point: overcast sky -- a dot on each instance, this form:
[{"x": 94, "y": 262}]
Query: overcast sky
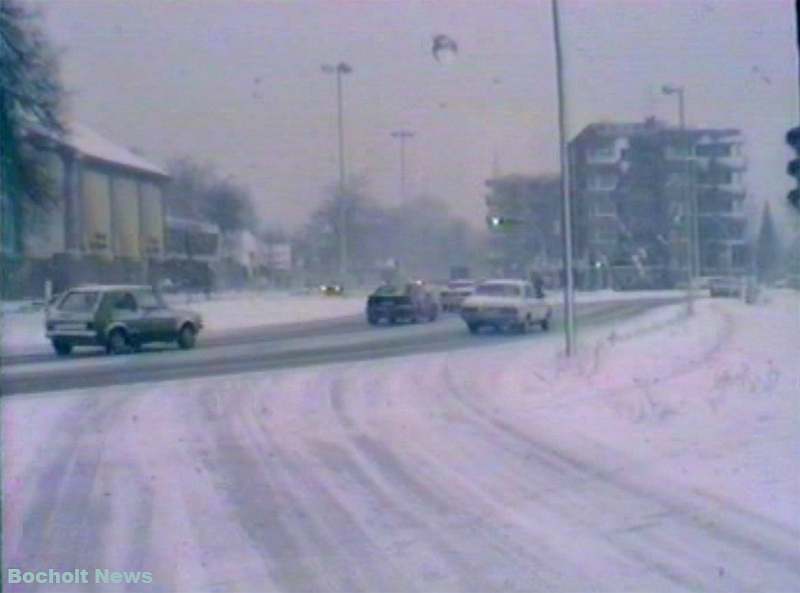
[{"x": 238, "y": 83}]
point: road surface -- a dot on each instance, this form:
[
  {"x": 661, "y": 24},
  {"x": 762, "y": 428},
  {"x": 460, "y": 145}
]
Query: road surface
[
  {"x": 293, "y": 345},
  {"x": 336, "y": 481}
]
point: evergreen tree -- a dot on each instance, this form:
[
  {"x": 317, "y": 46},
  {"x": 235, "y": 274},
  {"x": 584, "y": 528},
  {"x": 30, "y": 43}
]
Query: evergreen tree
[
  {"x": 768, "y": 248},
  {"x": 30, "y": 94}
]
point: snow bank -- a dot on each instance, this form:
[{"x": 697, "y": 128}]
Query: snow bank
[{"x": 711, "y": 402}]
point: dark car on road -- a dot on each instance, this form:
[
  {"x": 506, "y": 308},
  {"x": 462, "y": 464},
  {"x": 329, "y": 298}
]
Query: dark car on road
[
  {"x": 412, "y": 302},
  {"x": 118, "y": 318}
]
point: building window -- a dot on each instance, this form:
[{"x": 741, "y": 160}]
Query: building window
[
  {"x": 713, "y": 150},
  {"x": 604, "y": 206},
  {"x": 718, "y": 177},
  {"x": 602, "y": 153},
  {"x": 678, "y": 151},
  {"x": 602, "y": 182}
]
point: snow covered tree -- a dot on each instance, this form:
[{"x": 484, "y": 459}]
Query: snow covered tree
[{"x": 768, "y": 248}]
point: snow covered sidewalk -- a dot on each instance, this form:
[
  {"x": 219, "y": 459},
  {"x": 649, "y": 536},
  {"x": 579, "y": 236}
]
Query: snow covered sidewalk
[{"x": 711, "y": 403}]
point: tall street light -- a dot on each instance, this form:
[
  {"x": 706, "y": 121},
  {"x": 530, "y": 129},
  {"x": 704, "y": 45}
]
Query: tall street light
[
  {"x": 691, "y": 208},
  {"x": 339, "y": 70},
  {"x": 444, "y": 47},
  {"x": 566, "y": 205},
  {"x": 402, "y": 135}
]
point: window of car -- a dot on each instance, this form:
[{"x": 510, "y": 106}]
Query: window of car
[
  {"x": 124, "y": 301},
  {"x": 388, "y": 290},
  {"x": 505, "y": 290},
  {"x": 79, "y": 302},
  {"x": 148, "y": 299}
]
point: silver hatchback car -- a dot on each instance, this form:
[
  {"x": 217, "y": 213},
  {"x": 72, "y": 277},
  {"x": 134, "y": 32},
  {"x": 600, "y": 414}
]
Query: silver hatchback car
[{"x": 118, "y": 318}]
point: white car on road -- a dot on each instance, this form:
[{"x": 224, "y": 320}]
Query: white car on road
[{"x": 506, "y": 305}]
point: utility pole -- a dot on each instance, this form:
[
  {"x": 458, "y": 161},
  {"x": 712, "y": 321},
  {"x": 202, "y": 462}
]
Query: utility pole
[
  {"x": 402, "y": 135},
  {"x": 566, "y": 202},
  {"x": 692, "y": 231},
  {"x": 339, "y": 70}
]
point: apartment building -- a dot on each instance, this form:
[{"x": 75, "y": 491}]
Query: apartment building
[{"x": 642, "y": 191}]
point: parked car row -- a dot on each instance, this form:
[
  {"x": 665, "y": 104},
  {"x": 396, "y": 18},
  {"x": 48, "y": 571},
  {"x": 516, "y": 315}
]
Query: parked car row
[{"x": 505, "y": 305}]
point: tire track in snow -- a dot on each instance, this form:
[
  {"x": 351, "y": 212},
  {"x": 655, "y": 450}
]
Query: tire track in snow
[
  {"x": 258, "y": 505},
  {"x": 481, "y": 553},
  {"x": 61, "y": 528}
]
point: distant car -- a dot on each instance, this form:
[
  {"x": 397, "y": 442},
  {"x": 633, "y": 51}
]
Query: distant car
[
  {"x": 455, "y": 293},
  {"x": 506, "y": 305},
  {"x": 726, "y": 286},
  {"x": 118, "y": 318},
  {"x": 412, "y": 302},
  {"x": 331, "y": 289}
]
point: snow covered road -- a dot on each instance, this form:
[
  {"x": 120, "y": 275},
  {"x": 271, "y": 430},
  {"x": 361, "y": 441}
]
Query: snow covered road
[{"x": 499, "y": 469}]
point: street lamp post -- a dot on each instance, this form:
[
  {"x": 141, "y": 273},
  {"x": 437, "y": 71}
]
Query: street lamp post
[
  {"x": 339, "y": 70},
  {"x": 402, "y": 135},
  {"x": 692, "y": 247},
  {"x": 566, "y": 206},
  {"x": 444, "y": 46}
]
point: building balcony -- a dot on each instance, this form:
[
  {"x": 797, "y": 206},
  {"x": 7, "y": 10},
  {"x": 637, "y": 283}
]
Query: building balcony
[{"x": 733, "y": 162}]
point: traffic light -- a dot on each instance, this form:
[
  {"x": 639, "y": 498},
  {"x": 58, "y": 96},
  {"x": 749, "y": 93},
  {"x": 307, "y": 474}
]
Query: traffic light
[
  {"x": 793, "y": 169},
  {"x": 501, "y": 223}
]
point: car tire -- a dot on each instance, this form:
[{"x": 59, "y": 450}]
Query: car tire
[
  {"x": 187, "y": 337},
  {"x": 474, "y": 328},
  {"x": 62, "y": 347},
  {"x": 117, "y": 342},
  {"x": 433, "y": 314},
  {"x": 545, "y": 324}
]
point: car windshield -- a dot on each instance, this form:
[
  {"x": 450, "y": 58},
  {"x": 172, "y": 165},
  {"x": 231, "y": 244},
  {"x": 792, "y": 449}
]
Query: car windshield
[
  {"x": 390, "y": 290},
  {"x": 79, "y": 302},
  {"x": 505, "y": 290}
]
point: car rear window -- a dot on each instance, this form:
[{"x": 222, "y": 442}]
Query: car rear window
[
  {"x": 509, "y": 290},
  {"x": 390, "y": 291},
  {"x": 79, "y": 302}
]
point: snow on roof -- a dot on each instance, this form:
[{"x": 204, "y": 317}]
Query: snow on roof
[
  {"x": 89, "y": 143},
  {"x": 108, "y": 287},
  {"x": 512, "y": 281}
]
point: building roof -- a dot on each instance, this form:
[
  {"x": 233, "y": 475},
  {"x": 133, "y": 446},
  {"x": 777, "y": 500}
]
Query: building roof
[
  {"x": 89, "y": 144},
  {"x": 652, "y": 126},
  {"x": 108, "y": 287}
]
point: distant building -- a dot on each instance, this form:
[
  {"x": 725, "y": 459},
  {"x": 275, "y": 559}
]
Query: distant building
[
  {"x": 106, "y": 219},
  {"x": 529, "y": 237},
  {"x": 192, "y": 251},
  {"x": 630, "y": 207}
]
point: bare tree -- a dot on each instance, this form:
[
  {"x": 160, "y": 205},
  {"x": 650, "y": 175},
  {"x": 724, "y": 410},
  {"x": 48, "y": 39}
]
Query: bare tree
[{"x": 197, "y": 191}]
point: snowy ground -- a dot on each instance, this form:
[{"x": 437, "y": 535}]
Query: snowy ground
[
  {"x": 22, "y": 329},
  {"x": 666, "y": 457}
]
